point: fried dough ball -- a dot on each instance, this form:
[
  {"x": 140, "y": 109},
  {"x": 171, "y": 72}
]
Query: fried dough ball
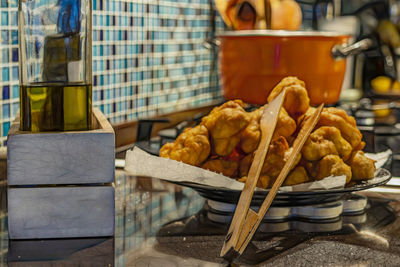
[
  {"x": 245, "y": 164},
  {"x": 242, "y": 179},
  {"x": 297, "y": 176},
  {"x": 362, "y": 167},
  {"x": 263, "y": 181},
  {"x": 301, "y": 120},
  {"x": 285, "y": 126},
  {"x": 339, "y": 119},
  {"x": 251, "y": 135},
  {"x": 346, "y": 124},
  {"x": 231, "y": 135},
  {"x": 224, "y": 124},
  {"x": 226, "y": 120},
  {"x": 326, "y": 140},
  {"x": 191, "y": 147},
  {"x": 274, "y": 160},
  {"x": 225, "y": 167},
  {"x": 329, "y": 165},
  {"x": 224, "y": 146},
  {"x": 343, "y": 114},
  {"x": 296, "y": 100},
  {"x": 287, "y": 155}
]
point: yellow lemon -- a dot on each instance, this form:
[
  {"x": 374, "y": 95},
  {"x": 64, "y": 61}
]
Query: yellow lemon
[
  {"x": 396, "y": 86},
  {"x": 381, "y": 84}
]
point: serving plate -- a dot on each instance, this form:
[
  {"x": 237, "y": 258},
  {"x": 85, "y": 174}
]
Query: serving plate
[{"x": 287, "y": 198}]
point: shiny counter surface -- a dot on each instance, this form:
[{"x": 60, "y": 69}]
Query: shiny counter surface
[{"x": 162, "y": 224}]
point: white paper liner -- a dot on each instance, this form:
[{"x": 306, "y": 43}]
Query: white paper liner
[{"x": 140, "y": 163}]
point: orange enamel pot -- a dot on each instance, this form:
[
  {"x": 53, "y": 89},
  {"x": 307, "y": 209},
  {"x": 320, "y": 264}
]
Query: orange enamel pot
[{"x": 251, "y": 63}]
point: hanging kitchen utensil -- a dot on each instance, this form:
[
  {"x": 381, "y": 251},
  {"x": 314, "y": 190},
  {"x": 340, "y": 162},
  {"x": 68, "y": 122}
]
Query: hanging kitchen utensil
[
  {"x": 242, "y": 14},
  {"x": 222, "y": 6}
]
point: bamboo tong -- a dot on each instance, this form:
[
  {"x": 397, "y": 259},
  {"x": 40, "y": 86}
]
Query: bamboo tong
[{"x": 246, "y": 221}]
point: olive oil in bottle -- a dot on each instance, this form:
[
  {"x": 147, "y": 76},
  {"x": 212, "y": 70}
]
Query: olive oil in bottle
[
  {"x": 55, "y": 65},
  {"x": 56, "y": 107}
]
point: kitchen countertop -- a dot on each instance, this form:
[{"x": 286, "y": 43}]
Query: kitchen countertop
[{"x": 162, "y": 224}]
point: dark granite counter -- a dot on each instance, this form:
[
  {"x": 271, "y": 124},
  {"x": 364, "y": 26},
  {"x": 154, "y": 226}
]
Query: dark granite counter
[{"x": 162, "y": 224}]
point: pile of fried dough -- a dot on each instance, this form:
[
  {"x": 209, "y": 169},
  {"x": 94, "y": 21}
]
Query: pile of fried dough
[{"x": 226, "y": 139}]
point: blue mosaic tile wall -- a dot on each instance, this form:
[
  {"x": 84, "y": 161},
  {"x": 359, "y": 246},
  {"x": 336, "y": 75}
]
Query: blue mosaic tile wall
[{"x": 148, "y": 58}]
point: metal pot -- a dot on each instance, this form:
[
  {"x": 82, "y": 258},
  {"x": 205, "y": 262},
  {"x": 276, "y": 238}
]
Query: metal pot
[{"x": 252, "y": 62}]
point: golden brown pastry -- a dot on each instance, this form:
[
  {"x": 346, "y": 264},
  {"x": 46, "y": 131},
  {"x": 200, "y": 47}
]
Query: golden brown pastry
[
  {"x": 326, "y": 140},
  {"x": 244, "y": 165},
  {"x": 296, "y": 100},
  {"x": 327, "y": 166},
  {"x": 363, "y": 168},
  {"x": 224, "y": 146},
  {"x": 264, "y": 181},
  {"x": 226, "y": 139},
  {"x": 346, "y": 124},
  {"x": 251, "y": 135},
  {"x": 226, "y": 167},
  {"x": 301, "y": 120},
  {"x": 224, "y": 124},
  {"x": 297, "y": 176},
  {"x": 285, "y": 126},
  {"x": 226, "y": 120},
  {"x": 338, "y": 118},
  {"x": 274, "y": 160},
  {"x": 191, "y": 147},
  {"x": 287, "y": 155},
  {"x": 343, "y": 114}
]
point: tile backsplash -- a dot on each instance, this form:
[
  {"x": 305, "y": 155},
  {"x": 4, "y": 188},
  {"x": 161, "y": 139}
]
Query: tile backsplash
[{"x": 148, "y": 58}]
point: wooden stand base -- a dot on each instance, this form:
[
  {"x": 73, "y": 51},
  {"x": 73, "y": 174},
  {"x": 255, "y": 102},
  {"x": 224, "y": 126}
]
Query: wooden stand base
[
  {"x": 60, "y": 184},
  {"x": 61, "y": 158},
  {"x": 60, "y": 212}
]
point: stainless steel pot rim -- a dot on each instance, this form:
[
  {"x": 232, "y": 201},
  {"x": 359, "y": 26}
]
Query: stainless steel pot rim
[{"x": 281, "y": 33}]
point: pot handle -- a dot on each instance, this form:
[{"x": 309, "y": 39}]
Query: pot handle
[
  {"x": 210, "y": 43},
  {"x": 342, "y": 51}
]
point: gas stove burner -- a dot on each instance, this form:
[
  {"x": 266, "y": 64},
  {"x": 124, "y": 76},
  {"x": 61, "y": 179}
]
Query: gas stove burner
[
  {"x": 387, "y": 130},
  {"x": 379, "y": 133},
  {"x": 368, "y": 105},
  {"x": 310, "y": 218},
  {"x": 355, "y": 219},
  {"x": 151, "y": 145},
  {"x": 368, "y": 113},
  {"x": 354, "y": 204}
]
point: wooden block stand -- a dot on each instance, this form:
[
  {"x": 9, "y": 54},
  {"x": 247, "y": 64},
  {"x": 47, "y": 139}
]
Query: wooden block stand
[{"x": 60, "y": 184}]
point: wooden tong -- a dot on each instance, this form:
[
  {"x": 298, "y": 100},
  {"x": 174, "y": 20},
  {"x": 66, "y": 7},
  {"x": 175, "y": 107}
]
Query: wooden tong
[{"x": 246, "y": 221}]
